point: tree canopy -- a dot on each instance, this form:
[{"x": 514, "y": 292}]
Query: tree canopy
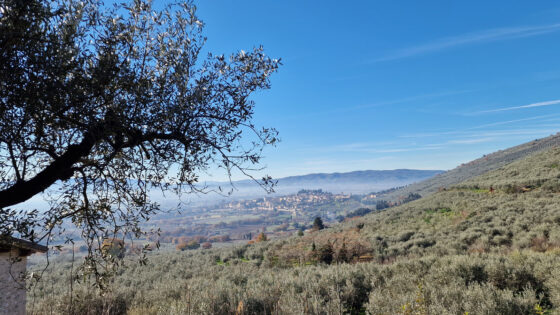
[
  {"x": 318, "y": 224},
  {"x": 101, "y": 104}
]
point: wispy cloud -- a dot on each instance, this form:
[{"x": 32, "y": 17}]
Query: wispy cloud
[
  {"x": 471, "y": 141},
  {"x": 539, "y": 104},
  {"x": 408, "y": 99},
  {"x": 403, "y": 146},
  {"x": 552, "y": 128},
  {"x": 507, "y": 122},
  {"x": 421, "y": 148},
  {"x": 479, "y": 129},
  {"x": 490, "y": 35}
]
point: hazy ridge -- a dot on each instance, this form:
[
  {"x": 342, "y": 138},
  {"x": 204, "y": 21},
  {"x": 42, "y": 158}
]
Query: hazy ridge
[{"x": 350, "y": 182}]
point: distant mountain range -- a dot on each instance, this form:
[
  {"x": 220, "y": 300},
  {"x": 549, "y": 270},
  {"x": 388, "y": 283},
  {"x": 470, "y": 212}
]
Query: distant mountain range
[
  {"x": 361, "y": 177},
  {"x": 357, "y": 182}
]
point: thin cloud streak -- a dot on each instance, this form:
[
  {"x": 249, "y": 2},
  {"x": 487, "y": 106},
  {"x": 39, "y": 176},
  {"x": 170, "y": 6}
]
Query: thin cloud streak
[
  {"x": 539, "y": 104},
  {"x": 410, "y": 99},
  {"x": 423, "y": 148},
  {"x": 466, "y": 131},
  {"x": 471, "y": 141},
  {"x": 468, "y": 134},
  {"x": 462, "y": 137},
  {"x": 507, "y": 122},
  {"x": 376, "y": 149},
  {"x": 403, "y": 100},
  {"x": 471, "y": 38}
]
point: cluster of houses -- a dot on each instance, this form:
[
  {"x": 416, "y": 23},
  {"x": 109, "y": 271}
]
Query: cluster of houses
[{"x": 289, "y": 203}]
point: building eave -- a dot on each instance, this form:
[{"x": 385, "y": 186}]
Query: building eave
[{"x": 12, "y": 242}]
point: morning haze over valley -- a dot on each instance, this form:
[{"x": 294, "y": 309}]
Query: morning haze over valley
[{"x": 261, "y": 157}]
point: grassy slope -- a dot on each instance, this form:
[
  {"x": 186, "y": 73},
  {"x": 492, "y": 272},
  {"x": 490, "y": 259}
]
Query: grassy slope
[
  {"x": 467, "y": 217},
  {"x": 477, "y": 167},
  {"x": 464, "y": 249}
]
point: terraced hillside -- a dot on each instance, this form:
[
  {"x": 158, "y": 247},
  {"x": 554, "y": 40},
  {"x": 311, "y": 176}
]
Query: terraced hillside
[
  {"x": 477, "y": 167},
  {"x": 487, "y": 245}
]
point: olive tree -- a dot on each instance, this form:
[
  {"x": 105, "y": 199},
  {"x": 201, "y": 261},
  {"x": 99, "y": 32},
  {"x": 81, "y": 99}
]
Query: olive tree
[{"x": 101, "y": 104}]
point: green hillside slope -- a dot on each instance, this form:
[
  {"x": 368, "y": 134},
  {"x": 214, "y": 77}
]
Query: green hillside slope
[
  {"x": 487, "y": 245},
  {"x": 477, "y": 167},
  {"x": 510, "y": 207}
]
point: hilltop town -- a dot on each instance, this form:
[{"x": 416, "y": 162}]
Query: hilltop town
[{"x": 304, "y": 200}]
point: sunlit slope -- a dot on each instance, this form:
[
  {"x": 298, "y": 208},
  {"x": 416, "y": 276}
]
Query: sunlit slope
[
  {"x": 489, "y": 245},
  {"x": 516, "y": 206},
  {"x": 477, "y": 167}
]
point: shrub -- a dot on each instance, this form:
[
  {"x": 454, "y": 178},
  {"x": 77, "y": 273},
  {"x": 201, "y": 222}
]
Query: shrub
[
  {"x": 261, "y": 238},
  {"x": 113, "y": 247},
  {"x": 192, "y": 244},
  {"x": 318, "y": 224}
]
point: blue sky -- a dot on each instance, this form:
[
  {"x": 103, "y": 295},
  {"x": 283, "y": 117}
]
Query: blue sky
[{"x": 396, "y": 84}]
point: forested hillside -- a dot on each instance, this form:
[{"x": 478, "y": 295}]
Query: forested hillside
[{"x": 486, "y": 245}]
